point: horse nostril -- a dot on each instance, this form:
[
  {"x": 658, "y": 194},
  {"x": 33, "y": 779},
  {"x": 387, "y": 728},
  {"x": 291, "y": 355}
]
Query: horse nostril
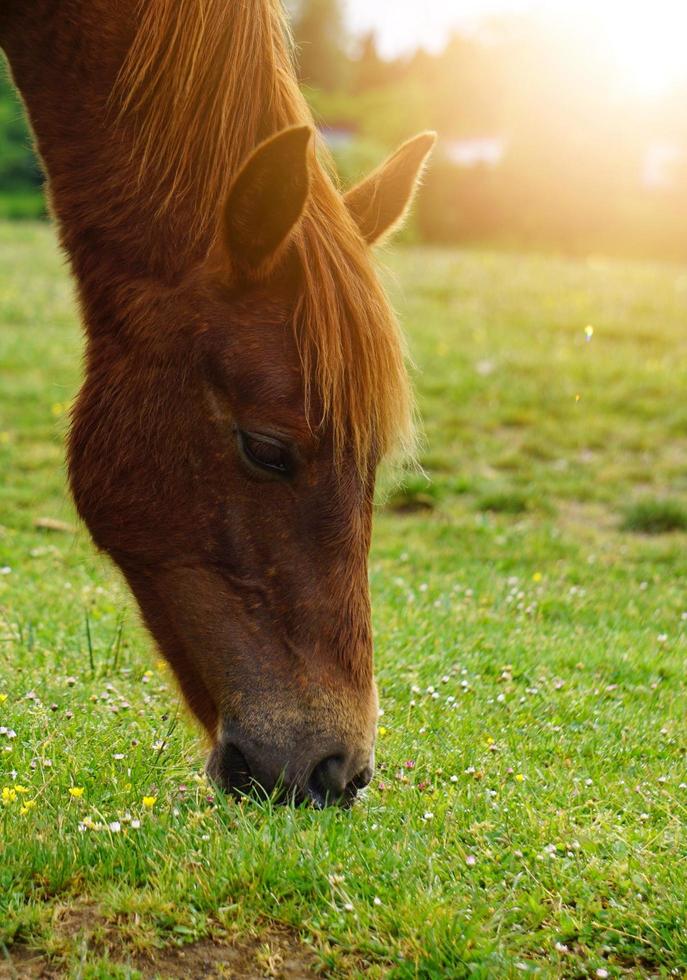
[
  {"x": 329, "y": 782},
  {"x": 235, "y": 770},
  {"x": 362, "y": 779}
]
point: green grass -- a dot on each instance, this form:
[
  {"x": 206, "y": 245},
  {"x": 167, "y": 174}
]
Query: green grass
[
  {"x": 528, "y": 815},
  {"x": 655, "y": 517}
]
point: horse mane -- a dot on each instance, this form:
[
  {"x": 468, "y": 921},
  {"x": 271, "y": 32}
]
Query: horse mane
[{"x": 207, "y": 81}]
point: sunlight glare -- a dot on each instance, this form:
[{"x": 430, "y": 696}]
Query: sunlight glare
[{"x": 645, "y": 42}]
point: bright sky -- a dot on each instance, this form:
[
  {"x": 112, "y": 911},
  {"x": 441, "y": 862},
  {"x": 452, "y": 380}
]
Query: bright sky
[
  {"x": 646, "y": 41},
  {"x": 403, "y": 24}
]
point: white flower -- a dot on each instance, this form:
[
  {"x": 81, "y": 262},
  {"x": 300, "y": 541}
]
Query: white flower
[
  {"x": 428, "y": 815},
  {"x": 115, "y": 826},
  {"x": 135, "y": 824},
  {"x": 471, "y": 860},
  {"x": 376, "y": 900}
]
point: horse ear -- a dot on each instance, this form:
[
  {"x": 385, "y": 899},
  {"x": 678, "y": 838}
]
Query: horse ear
[
  {"x": 380, "y": 202},
  {"x": 267, "y": 198}
]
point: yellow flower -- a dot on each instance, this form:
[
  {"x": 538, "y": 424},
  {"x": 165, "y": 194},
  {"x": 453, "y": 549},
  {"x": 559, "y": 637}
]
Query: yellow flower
[
  {"x": 3, "y": 698},
  {"x": 519, "y": 778},
  {"x": 381, "y": 731},
  {"x": 76, "y": 792},
  {"x": 537, "y": 577},
  {"x": 29, "y": 805},
  {"x": 149, "y": 802},
  {"x": 89, "y": 823},
  {"x": 8, "y": 795},
  {"x": 21, "y": 789}
]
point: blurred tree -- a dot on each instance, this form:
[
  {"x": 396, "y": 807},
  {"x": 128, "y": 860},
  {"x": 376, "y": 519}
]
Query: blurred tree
[
  {"x": 319, "y": 33},
  {"x": 371, "y": 71},
  {"x": 20, "y": 176},
  {"x": 466, "y": 86}
]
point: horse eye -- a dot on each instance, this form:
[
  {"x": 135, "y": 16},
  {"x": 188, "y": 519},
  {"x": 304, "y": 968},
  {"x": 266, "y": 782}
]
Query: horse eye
[{"x": 265, "y": 452}]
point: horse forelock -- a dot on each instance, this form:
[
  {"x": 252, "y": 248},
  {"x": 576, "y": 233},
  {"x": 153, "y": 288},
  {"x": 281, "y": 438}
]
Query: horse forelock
[{"x": 207, "y": 81}]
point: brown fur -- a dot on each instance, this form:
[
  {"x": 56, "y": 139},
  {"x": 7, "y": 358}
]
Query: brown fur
[
  {"x": 255, "y": 589},
  {"x": 230, "y": 63}
]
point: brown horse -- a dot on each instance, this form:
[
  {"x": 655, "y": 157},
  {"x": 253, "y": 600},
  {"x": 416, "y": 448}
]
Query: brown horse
[{"x": 244, "y": 372}]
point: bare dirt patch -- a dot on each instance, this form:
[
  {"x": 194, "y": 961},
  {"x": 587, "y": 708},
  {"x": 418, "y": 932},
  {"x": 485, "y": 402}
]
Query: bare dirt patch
[
  {"x": 271, "y": 955},
  {"x": 19, "y": 961},
  {"x": 275, "y": 953}
]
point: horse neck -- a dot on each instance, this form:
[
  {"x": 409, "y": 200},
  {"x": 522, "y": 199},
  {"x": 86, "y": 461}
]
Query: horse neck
[{"x": 65, "y": 57}]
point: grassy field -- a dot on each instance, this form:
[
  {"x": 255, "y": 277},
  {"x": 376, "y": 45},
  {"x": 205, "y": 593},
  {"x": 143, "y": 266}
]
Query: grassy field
[{"x": 528, "y": 815}]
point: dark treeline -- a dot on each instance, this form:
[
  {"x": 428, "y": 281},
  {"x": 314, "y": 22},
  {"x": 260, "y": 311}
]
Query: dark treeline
[
  {"x": 20, "y": 177},
  {"x": 540, "y": 143}
]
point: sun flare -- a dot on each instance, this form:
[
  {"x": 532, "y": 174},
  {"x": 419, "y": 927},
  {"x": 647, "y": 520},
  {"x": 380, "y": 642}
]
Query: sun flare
[
  {"x": 646, "y": 42},
  {"x": 643, "y": 42}
]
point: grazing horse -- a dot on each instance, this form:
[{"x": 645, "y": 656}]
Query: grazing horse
[{"x": 244, "y": 373}]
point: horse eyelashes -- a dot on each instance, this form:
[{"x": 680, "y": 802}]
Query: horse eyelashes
[{"x": 266, "y": 453}]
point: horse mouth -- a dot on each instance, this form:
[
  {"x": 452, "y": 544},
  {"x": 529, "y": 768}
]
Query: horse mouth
[{"x": 231, "y": 771}]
